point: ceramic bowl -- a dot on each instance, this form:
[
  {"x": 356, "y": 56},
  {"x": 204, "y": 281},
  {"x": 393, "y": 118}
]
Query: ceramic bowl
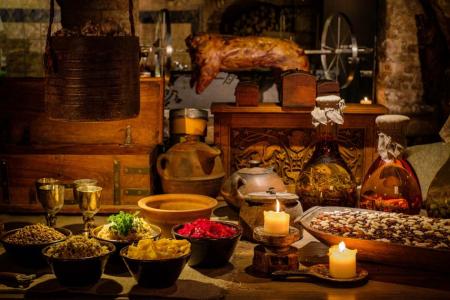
[
  {"x": 155, "y": 273},
  {"x": 29, "y": 255},
  {"x": 209, "y": 252},
  {"x": 119, "y": 244},
  {"x": 79, "y": 272},
  {"x": 167, "y": 210}
]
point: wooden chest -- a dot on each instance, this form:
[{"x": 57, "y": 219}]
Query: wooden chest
[
  {"x": 119, "y": 154},
  {"x": 283, "y": 137},
  {"x": 247, "y": 94},
  {"x": 298, "y": 89}
]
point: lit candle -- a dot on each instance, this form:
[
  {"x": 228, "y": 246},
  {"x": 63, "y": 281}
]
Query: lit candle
[
  {"x": 276, "y": 222},
  {"x": 365, "y": 101},
  {"x": 342, "y": 261}
]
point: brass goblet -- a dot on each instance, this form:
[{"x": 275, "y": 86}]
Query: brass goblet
[
  {"x": 80, "y": 182},
  {"x": 51, "y": 197},
  {"x": 44, "y": 181},
  {"x": 89, "y": 203}
]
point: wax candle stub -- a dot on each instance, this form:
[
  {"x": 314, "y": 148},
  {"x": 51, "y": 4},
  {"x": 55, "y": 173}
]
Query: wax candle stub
[
  {"x": 342, "y": 261},
  {"x": 276, "y": 222},
  {"x": 365, "y": 101}
]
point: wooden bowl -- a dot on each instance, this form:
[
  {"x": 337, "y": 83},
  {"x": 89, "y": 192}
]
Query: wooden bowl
[{"x": 167, "y": 210}]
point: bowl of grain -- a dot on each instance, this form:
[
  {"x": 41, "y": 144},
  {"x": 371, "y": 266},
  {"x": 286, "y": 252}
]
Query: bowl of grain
[
  {"x": 25, "y": 244},
  {"x": 78, "y": 261}
]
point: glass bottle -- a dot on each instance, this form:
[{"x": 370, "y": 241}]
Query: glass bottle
[
  {"x": 390, "y": 183},
  {"x": 326, "y": 180}
]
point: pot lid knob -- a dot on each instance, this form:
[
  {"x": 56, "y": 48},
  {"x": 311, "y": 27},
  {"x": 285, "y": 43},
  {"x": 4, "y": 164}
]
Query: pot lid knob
[
  {"x": 271, "y": 191},
  {"x": 254, "y": 163}
]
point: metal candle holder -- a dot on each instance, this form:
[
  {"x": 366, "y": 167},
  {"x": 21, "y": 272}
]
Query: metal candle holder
[{"x": 274, "y": 252}]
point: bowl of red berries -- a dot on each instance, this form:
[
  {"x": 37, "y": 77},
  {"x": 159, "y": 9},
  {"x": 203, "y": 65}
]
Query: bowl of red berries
[{"x": 212, "y": 242}]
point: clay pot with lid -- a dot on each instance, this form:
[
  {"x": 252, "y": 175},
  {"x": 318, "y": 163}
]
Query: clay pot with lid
[
  {"x": 248, "y": 180},
  {"x": 191, "y": 167},
  {"x": 252, "y": 210}
]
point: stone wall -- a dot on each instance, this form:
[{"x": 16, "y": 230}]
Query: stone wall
[
  {"x": 399, "y": 80},
  {"x": 413, "y": 63}
]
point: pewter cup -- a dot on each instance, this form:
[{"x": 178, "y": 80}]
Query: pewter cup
[
  {"x": 44, "y": 181},
  {"x": 80, "y": 182},
  {"x": 89, "y": 203},
  {"x": 51, "y": 197}
]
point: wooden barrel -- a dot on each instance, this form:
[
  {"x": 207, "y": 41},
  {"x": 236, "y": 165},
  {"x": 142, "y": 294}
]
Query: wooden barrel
[{"x": 93, "y": 78}]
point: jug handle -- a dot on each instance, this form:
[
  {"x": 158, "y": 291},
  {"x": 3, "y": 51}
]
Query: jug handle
[
  {"x": 236, "y": 183},
  {"x": 161, "y": 164}
]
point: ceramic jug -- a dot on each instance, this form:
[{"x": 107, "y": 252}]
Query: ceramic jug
[
  {"x": 248, "y": 180},
  {"x": 191, "y": 167}
]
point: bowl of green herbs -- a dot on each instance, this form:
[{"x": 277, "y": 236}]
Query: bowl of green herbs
[{"x": 124, "y": 229}]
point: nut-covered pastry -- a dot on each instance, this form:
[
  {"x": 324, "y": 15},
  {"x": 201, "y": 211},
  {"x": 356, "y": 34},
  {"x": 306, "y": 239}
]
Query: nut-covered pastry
[{"x": 386, "y": 227}]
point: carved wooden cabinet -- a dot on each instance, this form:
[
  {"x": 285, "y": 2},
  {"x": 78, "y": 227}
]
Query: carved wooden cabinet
[{"x": 283, "y": 138}]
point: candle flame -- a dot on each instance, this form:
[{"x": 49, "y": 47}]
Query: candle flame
[
  {"x": 365, "y": 98},
  {"x": 277, "y": 207},
  {"x": 341, "y": 246},
  {"x": 169, "y": 50}
]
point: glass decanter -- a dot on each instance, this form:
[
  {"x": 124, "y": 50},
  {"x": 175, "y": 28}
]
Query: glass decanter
[
  {"x": 326, "y": 180},
  {"x": 390, "y": 183}
]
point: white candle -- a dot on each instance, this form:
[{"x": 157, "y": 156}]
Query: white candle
[
  {"x": 342, "y": 261},
  {"x": 276, "y": 222},
  {"x": 365, "y": 101}
]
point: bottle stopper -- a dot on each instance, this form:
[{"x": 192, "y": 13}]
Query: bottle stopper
[
  {"x": 394, "y": 126},
  {"x": 329, "y": 109}
]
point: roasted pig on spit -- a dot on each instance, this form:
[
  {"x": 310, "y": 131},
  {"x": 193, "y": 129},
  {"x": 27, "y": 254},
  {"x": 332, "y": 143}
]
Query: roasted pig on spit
[{"x": 211, "y": 54}]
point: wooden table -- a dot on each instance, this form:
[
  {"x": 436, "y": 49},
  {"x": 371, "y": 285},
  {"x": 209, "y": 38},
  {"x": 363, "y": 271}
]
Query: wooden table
[{"x": 234, "y": 280}]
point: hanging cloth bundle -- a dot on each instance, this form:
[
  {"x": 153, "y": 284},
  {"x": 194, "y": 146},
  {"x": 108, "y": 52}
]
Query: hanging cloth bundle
[{"x": 91, "y": 78}]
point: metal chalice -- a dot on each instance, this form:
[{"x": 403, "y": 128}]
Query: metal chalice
[
  {"x": 51, "y": 197},
  {"x": 89, "y": 203}
]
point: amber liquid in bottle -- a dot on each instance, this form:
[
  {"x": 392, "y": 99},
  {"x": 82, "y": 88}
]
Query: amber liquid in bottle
[
  {"x": 326, "y": 179},
  {"x": 391, "y": 186}
]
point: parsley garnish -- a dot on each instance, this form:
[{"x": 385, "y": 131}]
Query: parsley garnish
[{"x": 122, "y": 222}]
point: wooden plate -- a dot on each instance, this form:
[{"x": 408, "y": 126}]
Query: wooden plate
[
  {"x": 321, "y": 271},
  {"x": 377, "y": 251}
]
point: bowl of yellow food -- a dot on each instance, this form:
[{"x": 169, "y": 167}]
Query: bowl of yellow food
[
  {"x": 123, "y": 229},
  {"x": 168, "y": 210},
  {"x": 156, "y": 264},
  {"x": 78, "y": 261}
]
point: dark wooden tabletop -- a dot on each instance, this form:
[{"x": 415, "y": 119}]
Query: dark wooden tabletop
[{"x": 235, "y": 280}]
